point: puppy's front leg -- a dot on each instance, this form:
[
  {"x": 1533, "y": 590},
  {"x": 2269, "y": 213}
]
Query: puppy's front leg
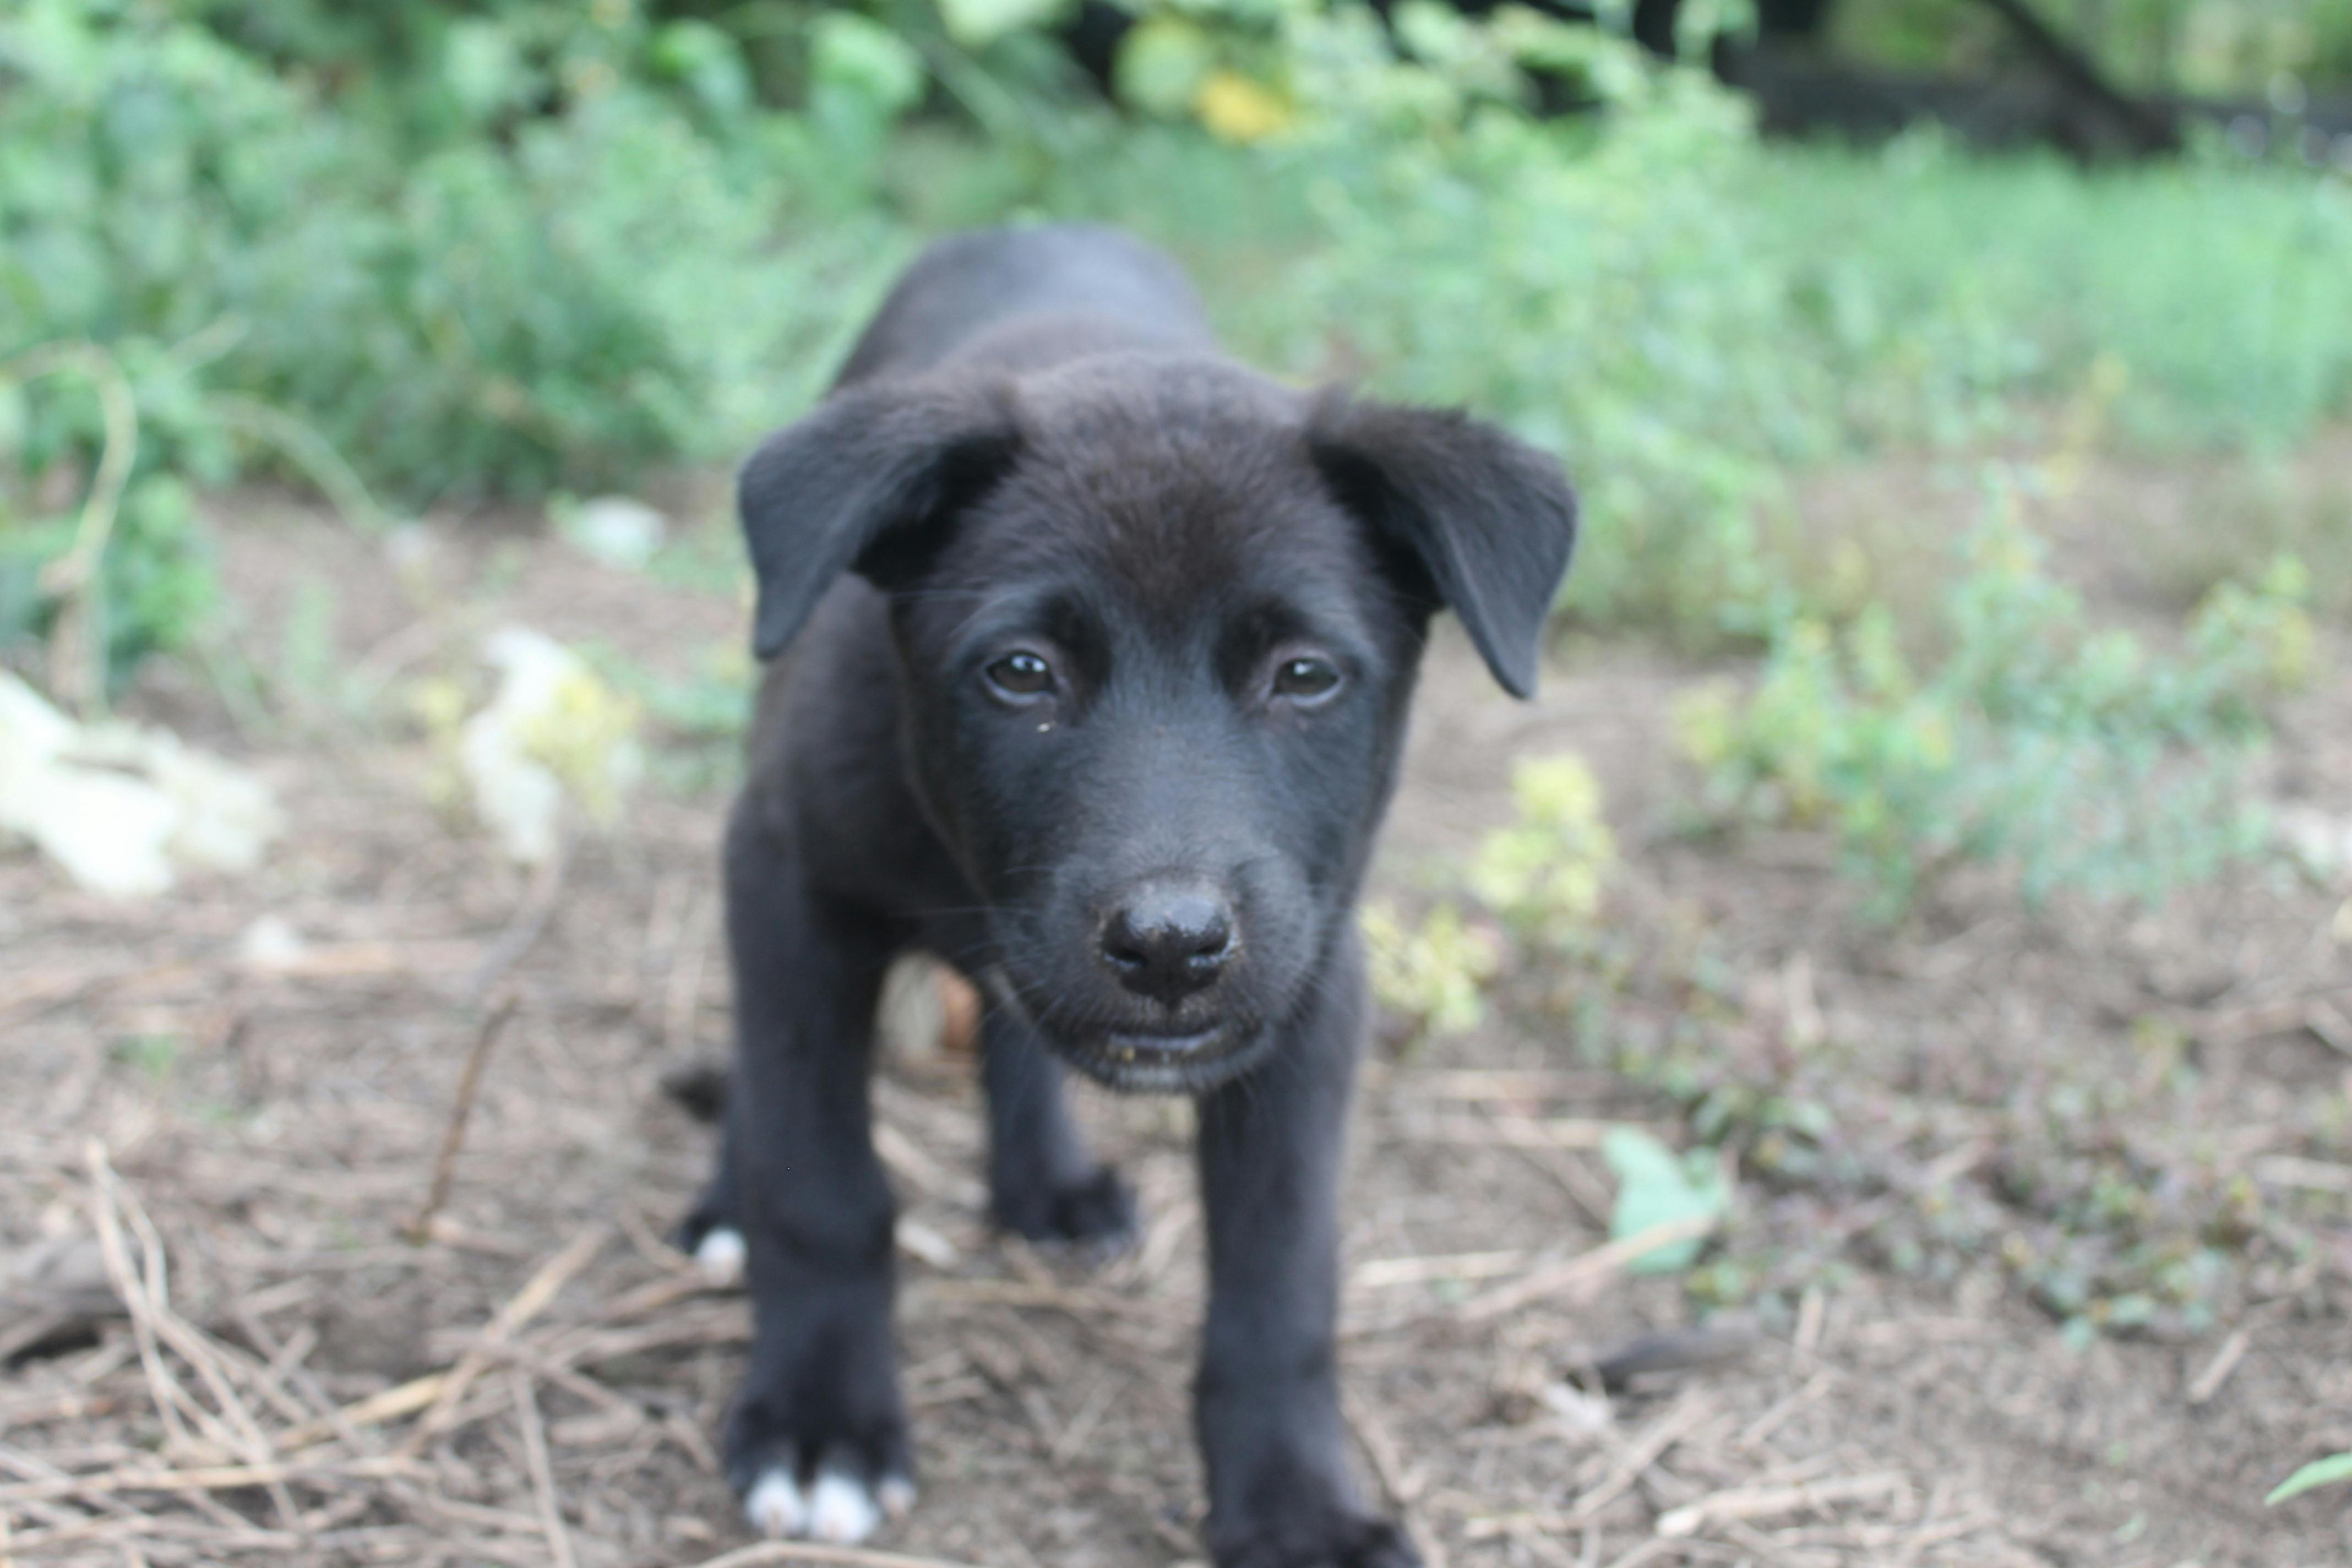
[
  {"x": 816, "y": 1440},
  {"x": 1267, "y": 1398},
  {"x": 1041, "y": 1181}
]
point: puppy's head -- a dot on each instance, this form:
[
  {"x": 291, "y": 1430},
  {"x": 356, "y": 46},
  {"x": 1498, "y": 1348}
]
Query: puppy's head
[{"x": 1158, "y": 621}]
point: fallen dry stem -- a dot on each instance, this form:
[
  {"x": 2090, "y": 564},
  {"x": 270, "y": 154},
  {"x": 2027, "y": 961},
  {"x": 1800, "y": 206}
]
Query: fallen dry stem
[
  {"x": 201, "y": 1478},
  {"x": 543, "y": 1471},
  {"x": 1585, "y": 1271},
  {"x": 530, "y": 923},
  {"x": 526, "y": 1304},
  {"x": 1677, "y": 1423},
  {"x": 453, "y": 1136},
  {"x": 1388, "y": 1463},
  {"x": 1742, "y": 1504}
]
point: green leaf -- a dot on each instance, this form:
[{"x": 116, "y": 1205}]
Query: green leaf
[
  {"x": 2324, "y": 1472},
  {"x": 867, "y": 58},
  {"x": 1435, "y": 34},
  {"x": 1161, "y": 64},
  {"x": 1657, "y": 1187},
  {"x": 974, "y": 22},
  {"x": 482, "y": 67},
  {"x": 706, "y": 61}
]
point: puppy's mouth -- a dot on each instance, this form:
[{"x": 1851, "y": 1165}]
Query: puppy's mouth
[
  {"x": 1179, "y": 1060},
  {"x": 1138, "y": 1062},
  {"x": 1145, "y": 1046}
]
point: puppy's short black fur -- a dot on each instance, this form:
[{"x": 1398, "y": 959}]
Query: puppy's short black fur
[{"x": 1101, "y": 648}]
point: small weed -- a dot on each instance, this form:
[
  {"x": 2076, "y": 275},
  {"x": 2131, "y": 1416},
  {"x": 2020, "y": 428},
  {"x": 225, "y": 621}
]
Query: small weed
[
  {"x": 2271, "y": 513},
  {"x": 2036, "y": 739},
  {"x": 1541, "y": 878},
  {"x": 2099, "y": 1195},
  {"x": 1543, "y": 875},
  {"x": 2332, "y": 1470},
  {"x": 2103, "y": 1203},
  {"x": 310, "y": 673},
  {"x": 154, "y": 1056},
  {"x": 1433, "y": 975}
]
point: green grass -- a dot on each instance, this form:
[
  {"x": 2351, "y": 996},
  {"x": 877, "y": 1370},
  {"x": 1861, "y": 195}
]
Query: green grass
[{"x": 2224, "y": 291}]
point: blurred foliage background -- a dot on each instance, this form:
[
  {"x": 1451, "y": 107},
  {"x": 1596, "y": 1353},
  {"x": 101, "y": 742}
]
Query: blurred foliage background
[{"x": 434, "y": 255}]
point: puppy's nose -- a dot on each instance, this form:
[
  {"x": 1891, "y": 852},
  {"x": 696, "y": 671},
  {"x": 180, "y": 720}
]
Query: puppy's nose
[{"x": 1169, "y": 940}]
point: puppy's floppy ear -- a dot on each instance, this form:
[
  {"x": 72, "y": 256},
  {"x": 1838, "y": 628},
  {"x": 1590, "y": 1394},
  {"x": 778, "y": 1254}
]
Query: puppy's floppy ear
[
  {"x": 866, "y": 482},
  {"x": 1485, "y": 519}
]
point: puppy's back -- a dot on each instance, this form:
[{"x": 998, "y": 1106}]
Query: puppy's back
[{"x": 1082, "y": 287}]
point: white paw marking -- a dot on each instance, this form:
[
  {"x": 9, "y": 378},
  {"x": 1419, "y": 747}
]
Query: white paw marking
[
  {"x": 775, "y": 1507},
  {"x": 897, "y": 1496},
  {"x": 720, "y": 1258},
  {"x": 840, "y": 1510}
]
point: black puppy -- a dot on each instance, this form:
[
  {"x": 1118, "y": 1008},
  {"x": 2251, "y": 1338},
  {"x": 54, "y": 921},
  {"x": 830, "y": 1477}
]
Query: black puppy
[{"x": 1102, "y": 647}]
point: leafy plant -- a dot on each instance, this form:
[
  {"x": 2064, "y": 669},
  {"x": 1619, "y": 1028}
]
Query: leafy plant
[
  {"x": 1541, "y": 877},
  {"x": 436, "y": 273},
  {"x": 436, "y": 250},
  {"x": 120, "y": 570},
  {"x": 1433, "y": 975},
  {"x": 2101, "y": 1200},
  {"x": 2037, "y": 738},
  {"x": 1544, "y": 874},
  {"x": 1587, "y": 286}
]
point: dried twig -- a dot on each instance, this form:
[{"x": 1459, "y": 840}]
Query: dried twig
[
  {"x": 1743, "y": 1503},
  {"x": 1382, "y": 1273},
  {"x": 526, "y": 1304},
  {"x": 1752, "y": 1436},
  {"x": 530, "y": 923},
  {"x": 405, "y": 1399},
  {"x": 203, "y": 1478},
  {"x": 49, "y": 992},
  {"x": 163, "y": 1388},
  {"x": 2314, "y": 1010},
  {"x": 543, "y": 1472},
  {"x": 1388, "y": 1463},
  {"x": 1638, "y": 1456},
  {"x": 1573, "y": 1276},
  {"x": 2216, "y": 1371},
  {"x": 1516, "y": 1131},
  {"x": 453, "y": 1136},
  {"x": 211, "y": 1361}
]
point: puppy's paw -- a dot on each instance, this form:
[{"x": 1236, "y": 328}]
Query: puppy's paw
[
  {"x": 710, "y": 1235},
  {"x": 832, "y": 1506},
  {"x": 1096, "y": 1213},
  {"x": 801, "y": 1486},
  {"x": 1349, "y": 1541},
  {"x": 719, "y": 1257}
]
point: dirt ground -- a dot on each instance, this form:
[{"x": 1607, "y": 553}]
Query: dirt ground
[{"x": 234, "y": 1146}]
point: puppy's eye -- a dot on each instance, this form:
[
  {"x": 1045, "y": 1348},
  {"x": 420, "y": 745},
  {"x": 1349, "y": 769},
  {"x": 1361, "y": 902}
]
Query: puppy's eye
[
  {"x": 1020, "y": 675},
  {"x": 1305, "y": 680}
]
